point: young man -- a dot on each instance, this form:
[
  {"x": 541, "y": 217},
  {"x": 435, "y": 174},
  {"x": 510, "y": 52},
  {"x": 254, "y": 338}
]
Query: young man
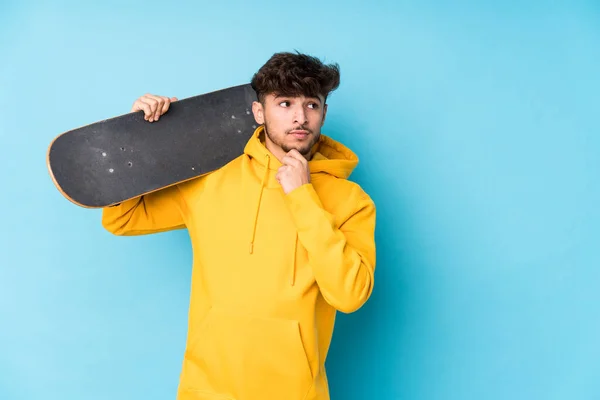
[{"x": 281, "y": 241}]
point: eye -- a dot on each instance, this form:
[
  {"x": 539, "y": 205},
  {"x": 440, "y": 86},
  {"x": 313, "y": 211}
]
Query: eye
[
  {"x": 287, "y": 103},
  {"x": 313, "y": 105}
]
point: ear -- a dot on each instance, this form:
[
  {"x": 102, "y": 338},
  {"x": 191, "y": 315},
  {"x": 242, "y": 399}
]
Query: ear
[
  {"x": 324, "y": 114},
  {"x": 259, "y": 112}
]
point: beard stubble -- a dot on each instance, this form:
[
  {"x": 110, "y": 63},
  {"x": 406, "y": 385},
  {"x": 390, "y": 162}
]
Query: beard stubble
[{"x": 304, "y": 149}]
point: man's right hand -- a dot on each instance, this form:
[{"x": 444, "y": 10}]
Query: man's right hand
[{"x": 152, "y": 105}]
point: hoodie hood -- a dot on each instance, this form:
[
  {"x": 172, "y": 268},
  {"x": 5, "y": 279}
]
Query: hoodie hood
[{"x": 329, "y": 156}]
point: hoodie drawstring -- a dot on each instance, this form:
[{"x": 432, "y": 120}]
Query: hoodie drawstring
[
  {"x": 293, "y": 280},
  {"x": 251, "y": 249},
  {"x": 262, "y": 186}
]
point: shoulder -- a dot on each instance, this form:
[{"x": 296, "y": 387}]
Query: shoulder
[
  {"x": 332, "y": 186},
  {"x": 342, "y": 196},
  {"x": 199, "y": 183}
]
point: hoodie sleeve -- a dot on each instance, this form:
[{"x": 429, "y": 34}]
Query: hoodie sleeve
[
  {"x": 342, "y": 259},
  {"x": 151, "y": 213}
]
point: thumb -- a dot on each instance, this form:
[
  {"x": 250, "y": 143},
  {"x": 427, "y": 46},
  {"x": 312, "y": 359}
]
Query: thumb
[{"x": 173, "y": 98}]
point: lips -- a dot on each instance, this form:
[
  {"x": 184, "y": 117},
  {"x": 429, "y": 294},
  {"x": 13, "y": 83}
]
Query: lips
[{"x": 299, "y": 133}]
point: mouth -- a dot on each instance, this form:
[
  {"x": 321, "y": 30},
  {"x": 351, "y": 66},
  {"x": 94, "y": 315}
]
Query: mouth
[{"x": 299, "y": 133}]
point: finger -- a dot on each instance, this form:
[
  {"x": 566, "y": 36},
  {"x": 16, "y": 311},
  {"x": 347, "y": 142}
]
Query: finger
[
  {"x": 153, "y": 106},
  {"x": 296, "y": 154},
  {"x": 141, "y": 106},
  {"x": 160, "y": 102},
  {"x": 167, "y": 104},
  {"x": 283, "y": 170},
  {"x": 150, "y": 100},
  {"x": 294, "y": 162}
]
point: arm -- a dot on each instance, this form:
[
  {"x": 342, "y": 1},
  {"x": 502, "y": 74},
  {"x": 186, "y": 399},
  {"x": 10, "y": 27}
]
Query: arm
[
  {"x": 159, "y": 211},
  {"x": 342, "y": 259}
]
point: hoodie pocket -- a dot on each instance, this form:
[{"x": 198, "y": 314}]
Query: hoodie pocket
[{"x": 251, "y": 358}]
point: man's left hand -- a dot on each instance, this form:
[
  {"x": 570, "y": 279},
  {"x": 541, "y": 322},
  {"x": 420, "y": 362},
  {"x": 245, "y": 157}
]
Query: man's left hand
[{"x": 294, "y": 172}]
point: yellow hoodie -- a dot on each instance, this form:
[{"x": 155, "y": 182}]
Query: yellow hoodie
[{"x": 269, "y": 270}]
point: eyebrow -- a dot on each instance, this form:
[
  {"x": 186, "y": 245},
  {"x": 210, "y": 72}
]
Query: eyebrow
[{"x": 308, "y": 97}]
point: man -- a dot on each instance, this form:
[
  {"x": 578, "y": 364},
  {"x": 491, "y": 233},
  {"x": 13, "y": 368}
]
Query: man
[{"x": 281, "y": 241}]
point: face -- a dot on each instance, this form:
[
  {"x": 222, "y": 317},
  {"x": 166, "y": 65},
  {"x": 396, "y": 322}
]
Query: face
[{"x": 291, "y": 122}]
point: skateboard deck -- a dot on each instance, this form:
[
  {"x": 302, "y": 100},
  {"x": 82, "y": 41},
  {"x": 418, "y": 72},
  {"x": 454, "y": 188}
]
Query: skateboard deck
[{"x": 117, "y": 159}]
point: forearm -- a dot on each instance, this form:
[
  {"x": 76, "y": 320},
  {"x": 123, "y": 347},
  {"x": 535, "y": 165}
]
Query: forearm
[{"x": 342, "y": 259}]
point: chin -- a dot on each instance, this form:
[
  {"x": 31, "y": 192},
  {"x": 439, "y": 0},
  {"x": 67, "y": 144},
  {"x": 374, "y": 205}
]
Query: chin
[{"x": 304, "y": 150}]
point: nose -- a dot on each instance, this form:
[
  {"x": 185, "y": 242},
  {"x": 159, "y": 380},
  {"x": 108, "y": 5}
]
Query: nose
[{"x": 300, "y": 115}]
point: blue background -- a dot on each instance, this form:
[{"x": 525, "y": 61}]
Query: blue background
[{"x": 477, "y": 129}]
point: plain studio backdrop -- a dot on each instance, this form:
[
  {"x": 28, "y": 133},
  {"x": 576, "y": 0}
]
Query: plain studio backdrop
[{"x": 476, "y": 125}]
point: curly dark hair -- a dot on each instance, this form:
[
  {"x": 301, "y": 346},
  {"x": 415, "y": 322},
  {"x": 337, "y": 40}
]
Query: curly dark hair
[{"x": 290, "y": 74}]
